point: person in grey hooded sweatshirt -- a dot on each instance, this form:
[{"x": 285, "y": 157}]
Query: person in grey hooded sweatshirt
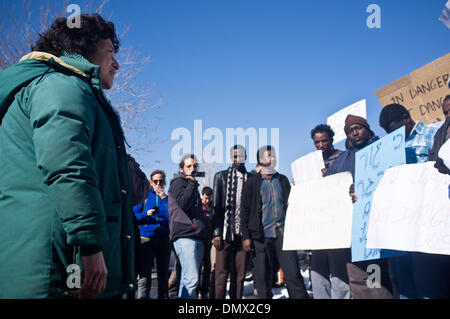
[{"x": 187, "y": 225}]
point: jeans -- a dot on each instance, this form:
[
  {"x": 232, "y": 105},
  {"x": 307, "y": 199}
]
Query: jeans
[
  {"x": 329, "y": 273},
  {"x": 190, "y": 254}
]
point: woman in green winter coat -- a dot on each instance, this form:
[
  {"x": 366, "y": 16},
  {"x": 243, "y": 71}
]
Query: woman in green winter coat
[{"x": 66, "y": 226}]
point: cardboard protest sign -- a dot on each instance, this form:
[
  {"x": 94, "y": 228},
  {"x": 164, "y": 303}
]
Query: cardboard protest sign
[
  {"x": 337, "y": 120},
  {"x": 411, "y": 210},
  {"x": 421, "y": 92},
  {"x": 370, "y": 165},
  {"x": 319, "y": 215},
  {"x": 308, "y": 167}
]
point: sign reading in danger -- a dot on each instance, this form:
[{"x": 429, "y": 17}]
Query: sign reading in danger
[{"x": 421, "y": 92}]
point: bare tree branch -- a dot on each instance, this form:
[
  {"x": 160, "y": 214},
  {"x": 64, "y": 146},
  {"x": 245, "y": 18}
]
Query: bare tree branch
[{"x": 131, "y": 98}]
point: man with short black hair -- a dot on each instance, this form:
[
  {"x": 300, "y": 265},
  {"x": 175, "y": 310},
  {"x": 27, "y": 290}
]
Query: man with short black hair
[
  {"x": 322, "y": 136},
  {"x": 264, "y": 205},
  {"x": 328, "y": 271},
  {"x": 418, "y": 136},
  {"x": 231, "y": 258},
  {"x": 418, "y": 275}
]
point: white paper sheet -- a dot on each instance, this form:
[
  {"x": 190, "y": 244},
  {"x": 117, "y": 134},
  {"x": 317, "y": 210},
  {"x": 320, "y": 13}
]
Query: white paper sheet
[
  {"x": 319, "y": 214},
  {"x": 308, "y": 167},
  {"x": 411, "y": 210}
]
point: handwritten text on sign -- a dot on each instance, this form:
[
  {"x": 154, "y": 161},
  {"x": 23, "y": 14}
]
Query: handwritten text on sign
[
  {"x": 319, "y": 215},
  {"x": 370, "y": 164},
  {"x": 422, "y": 91},
  {"x": 411, "y": 210}
]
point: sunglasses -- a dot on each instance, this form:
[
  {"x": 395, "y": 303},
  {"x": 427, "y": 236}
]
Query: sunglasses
[{"x": 158, "y": 181}]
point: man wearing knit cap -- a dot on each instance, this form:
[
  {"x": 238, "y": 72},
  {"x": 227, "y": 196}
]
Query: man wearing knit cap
[{"x": 353, "y": 276}]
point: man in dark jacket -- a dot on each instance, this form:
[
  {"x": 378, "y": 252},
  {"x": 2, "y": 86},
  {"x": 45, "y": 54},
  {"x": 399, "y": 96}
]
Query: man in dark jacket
[
  {"x": 264, "y": 204},
  {"x": 187, "y": 225},
  {"x": 416, "y": 274},
  {"x": 328, "y": 272},
  {"x": 359, "y": 135},
  {"x": 227, "y": 238}
]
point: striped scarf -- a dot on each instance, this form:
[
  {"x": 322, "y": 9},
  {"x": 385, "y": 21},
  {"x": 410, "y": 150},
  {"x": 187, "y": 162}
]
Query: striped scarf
[{"x": 232, "y": 220}]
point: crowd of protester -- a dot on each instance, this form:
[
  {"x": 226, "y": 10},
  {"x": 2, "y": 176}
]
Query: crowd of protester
[{"x": 71, "y": 195}]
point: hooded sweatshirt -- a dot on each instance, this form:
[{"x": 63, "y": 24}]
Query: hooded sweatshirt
[{"x": 186, "y": 216}]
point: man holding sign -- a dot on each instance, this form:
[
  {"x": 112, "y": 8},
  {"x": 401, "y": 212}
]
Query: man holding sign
[
  {"x": 328, "y": 273},
  {"x": 418, "y": 275},
  {"x": 359, "y": 135}
]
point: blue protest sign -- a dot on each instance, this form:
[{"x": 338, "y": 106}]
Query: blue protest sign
[{"x": 370, "y": 164}]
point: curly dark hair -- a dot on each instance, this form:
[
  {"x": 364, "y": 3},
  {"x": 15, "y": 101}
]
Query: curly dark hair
[
  {"x": 323, "y": 128},
  {"x": 84, "y": 40}
]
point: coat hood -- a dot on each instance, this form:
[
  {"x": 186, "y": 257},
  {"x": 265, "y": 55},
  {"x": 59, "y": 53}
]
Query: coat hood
[{"x": 37, "y": 64}]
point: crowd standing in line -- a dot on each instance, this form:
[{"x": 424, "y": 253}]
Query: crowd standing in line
[{"x": 89, "y": 204}]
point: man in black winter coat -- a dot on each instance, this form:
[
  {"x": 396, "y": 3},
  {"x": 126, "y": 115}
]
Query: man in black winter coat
[{"x": 264, "y": 204}]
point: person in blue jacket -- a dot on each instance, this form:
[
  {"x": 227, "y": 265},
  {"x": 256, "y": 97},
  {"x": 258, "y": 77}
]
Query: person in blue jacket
[{"x": 153, "y": 219}]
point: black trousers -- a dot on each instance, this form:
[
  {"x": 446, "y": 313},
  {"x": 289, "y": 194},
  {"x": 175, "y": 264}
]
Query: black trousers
[
  {"x": 205, "y": 269},
  {"x": 266, "y": 250},
  {"x": 358, "y": 276},
  {"x": 231, "y": 260},
  {"x": 151, "y": 249}
]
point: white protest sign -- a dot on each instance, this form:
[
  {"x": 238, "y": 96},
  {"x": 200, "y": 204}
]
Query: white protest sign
[
  {"x": 319, "y": 215},
  {"x": 444, "y": 153},
  {"x": 411, "y": 210},
  {"x": 337, "y": 120},
  {"x": 308, "y": 167}
]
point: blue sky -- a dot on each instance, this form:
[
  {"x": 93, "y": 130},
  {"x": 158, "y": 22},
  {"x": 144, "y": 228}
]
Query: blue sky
[{"x": 285, "y": 64}]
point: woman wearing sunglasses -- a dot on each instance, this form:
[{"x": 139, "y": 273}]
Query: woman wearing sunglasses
[{"x": 153, "y": 217}]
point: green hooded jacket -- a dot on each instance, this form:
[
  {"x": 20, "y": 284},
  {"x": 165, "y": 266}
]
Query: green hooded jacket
[{"x": 64, "y": 188}]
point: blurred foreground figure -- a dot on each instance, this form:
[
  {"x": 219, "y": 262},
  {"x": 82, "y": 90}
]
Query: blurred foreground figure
[{"x": 66, "y": 224}]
